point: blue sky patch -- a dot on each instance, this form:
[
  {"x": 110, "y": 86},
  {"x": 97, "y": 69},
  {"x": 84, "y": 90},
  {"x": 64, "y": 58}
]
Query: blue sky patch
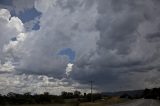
[
  {"x": 28, "y": 15},
  {"x": 68, "y": 52}
]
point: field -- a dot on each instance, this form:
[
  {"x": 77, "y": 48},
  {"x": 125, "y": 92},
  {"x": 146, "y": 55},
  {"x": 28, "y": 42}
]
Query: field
[
  {"x": 44, "y": 105},
  {"x": 106, "y": 101},
  {"x": 103, "y": 102}
]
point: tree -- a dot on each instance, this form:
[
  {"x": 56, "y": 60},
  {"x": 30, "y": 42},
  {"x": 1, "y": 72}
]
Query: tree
[{"x": 77, "y": 93}]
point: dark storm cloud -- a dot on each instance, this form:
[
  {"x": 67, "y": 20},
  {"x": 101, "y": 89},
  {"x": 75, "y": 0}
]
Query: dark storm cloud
[
  {"x": 154, "y": 37},
  {"x": 118, "y": 23}
]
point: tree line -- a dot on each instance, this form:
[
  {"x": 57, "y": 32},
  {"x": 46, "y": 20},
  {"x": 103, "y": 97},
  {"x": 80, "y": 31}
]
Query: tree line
[
  {"x": 153, "y": 93},
  {"x": 71, "y": 97},
  {"x": 46, "y": 98}
]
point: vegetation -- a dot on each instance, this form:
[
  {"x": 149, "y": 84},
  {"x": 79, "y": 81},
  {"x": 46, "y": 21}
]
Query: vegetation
[
  {"x": 147, "y": 94},
  {"x": 152, "y": 93},
  {"x": 74, "y": 98},
  {"x": 105, "y": 101},
  {"x": 46, "y": 98}
]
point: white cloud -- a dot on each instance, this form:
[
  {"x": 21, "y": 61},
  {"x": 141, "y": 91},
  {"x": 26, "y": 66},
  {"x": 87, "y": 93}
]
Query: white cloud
[
  {"x": 42, "y": 6},
  {"x": 69, "y": 68},
  {"x": 35, "y": 84},
  {"x": 17, "y": 23},
  {"x": 12, "y": 28},
  {"x": 5, "y": 14},
  {"x": 7, "y": 67}
]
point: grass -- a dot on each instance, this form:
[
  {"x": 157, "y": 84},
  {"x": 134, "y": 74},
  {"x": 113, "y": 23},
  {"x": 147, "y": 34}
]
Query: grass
[
  {"x": 106, "y": 101},
  {"x": 43, "y": 105},
  {"x": 103, "y": 102}
]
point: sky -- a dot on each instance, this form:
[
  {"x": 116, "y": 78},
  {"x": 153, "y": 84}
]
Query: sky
[{"x": 62, "y": 45}]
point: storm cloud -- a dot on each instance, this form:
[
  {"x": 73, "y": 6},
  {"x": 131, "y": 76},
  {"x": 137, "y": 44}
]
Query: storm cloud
[{"x": 116, "y": 44}]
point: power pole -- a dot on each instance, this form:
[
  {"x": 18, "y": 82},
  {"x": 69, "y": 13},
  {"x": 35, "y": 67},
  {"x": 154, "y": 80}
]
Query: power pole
[{"x": 91, "y": 91}]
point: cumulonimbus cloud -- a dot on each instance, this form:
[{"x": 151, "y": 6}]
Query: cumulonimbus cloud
[{"x": 115, "y": 42}]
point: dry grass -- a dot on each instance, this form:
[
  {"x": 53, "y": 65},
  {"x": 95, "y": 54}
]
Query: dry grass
[
  {"x": 43, "y": 105},
  {"x": 106, "y": 101}
]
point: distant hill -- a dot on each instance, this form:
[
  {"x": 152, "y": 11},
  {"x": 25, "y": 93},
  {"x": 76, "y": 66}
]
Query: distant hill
[{"x": 132, "y": 93}]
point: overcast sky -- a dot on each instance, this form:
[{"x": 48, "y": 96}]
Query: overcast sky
[{"x": 61, "y": 45}]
